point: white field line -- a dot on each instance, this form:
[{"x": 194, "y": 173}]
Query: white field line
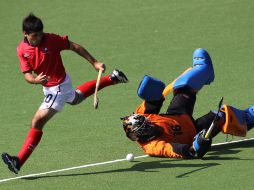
[
  {"x": 232, "y": 142},
  {"x": 67, "y": 169},
  {"x": 101, "y": 163}
]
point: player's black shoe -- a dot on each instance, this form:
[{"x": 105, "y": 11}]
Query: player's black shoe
[
  {"x": 118, "y": 77},
  {"x": 12, "y": 162}
]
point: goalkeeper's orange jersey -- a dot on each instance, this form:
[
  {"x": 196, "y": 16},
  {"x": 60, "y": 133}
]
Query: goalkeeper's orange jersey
[{"x": 178, "y": 131}]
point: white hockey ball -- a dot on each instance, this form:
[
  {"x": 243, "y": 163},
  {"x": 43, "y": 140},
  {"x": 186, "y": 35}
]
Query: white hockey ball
[{"x": 130, "y": 157}]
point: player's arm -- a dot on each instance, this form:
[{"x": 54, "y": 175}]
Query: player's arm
[
  {"x": 150, "y": 107},
  {"x": 85, "y": 54},
  {"x": 160, "y": 148},
  {"x": 39, "y": 79}
]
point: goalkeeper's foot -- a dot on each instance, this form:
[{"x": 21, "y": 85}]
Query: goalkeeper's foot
[
  {"x": 12, "y": 162},
  {"x": 250, "y": 117},
  {"x": 201, "y": 57},
  {"x": 118, "y": 77}
]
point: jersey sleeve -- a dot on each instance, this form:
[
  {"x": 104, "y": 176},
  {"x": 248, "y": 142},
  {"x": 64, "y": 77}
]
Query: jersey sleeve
[
  {"x": 60, "y": 42},
  {"x": 23, "y": 62},
  {"x": 160, "y": 148}
]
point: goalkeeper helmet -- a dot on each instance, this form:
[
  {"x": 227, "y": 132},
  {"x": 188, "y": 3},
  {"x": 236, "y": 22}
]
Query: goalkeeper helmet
[{"x": 138, "y": 128}]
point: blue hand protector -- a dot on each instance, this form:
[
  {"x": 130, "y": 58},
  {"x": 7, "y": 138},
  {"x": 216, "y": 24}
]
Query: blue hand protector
[{"x": 150, "y": 89}]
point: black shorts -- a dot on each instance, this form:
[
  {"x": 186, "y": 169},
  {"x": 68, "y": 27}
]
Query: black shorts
[{"x": 183, "y": 102}]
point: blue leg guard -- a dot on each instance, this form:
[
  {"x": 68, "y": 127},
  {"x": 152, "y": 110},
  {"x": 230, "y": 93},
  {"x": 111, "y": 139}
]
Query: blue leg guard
[
  {"x": 150, "y": 88},
  {"x": 242, "y": 117},
  {"x": 236, "y": 122},
  {"x": 245, "y": 116},
  {"x": 202, "y": 72}
]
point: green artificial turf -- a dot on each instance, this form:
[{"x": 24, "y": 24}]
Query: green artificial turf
[{"x": 149, "y": 37}]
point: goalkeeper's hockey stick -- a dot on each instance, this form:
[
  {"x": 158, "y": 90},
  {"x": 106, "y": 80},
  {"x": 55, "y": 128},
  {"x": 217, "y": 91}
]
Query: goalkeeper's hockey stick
[{"x": 208, "y": 133}]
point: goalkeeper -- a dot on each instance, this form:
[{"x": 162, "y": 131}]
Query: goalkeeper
[{"x": 176, "y": 134}]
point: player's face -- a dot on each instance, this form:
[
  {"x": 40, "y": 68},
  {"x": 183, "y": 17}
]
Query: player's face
[{"x": 34, "y": 38}]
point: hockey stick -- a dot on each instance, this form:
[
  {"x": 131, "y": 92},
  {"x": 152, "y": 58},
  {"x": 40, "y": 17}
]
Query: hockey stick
[
  {"x": 96, "y": 99},
  {"x": 208, "y": 133}
]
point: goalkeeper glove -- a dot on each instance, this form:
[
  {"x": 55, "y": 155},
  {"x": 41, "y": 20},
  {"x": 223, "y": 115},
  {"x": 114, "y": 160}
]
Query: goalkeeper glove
[{"x": 201, "y": 145}]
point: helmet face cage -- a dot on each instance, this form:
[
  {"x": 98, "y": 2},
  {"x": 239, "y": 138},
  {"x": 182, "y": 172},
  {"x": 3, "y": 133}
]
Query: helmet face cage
[{"x": 136, "y": 124}]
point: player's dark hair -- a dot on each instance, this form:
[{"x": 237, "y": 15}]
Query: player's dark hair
[{"x": 32, "y": 24}]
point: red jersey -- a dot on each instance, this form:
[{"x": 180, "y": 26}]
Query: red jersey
[{"x": 44, "y": 58}]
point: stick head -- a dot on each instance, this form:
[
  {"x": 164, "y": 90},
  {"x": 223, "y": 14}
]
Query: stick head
[
  {"x": 220, "y": 104},
  {"x": 96, "y": 103}
]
